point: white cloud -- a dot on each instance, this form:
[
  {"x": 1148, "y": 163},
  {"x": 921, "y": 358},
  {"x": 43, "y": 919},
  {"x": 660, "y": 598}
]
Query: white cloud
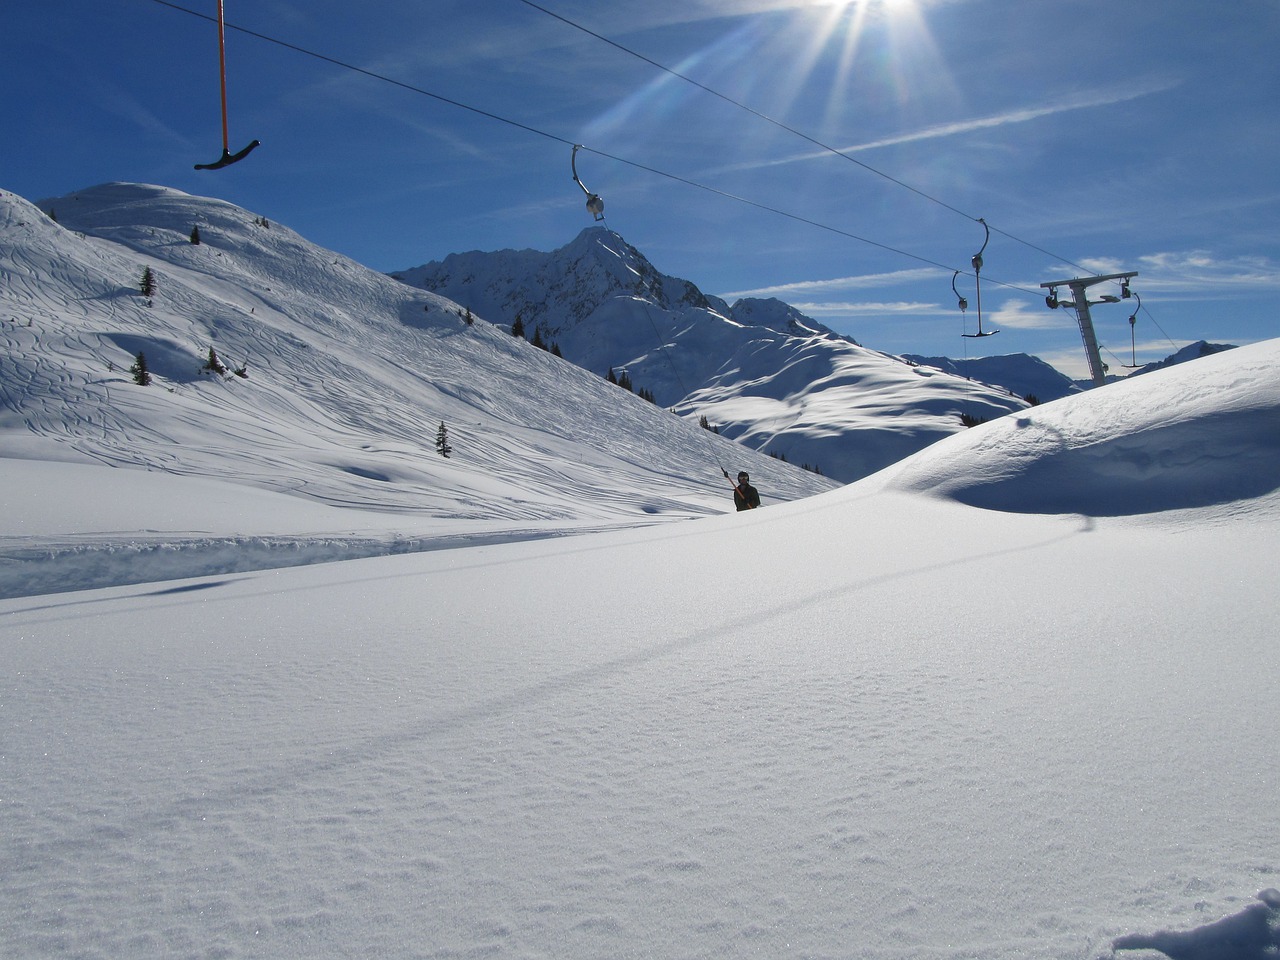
[{"x": 1019, "y": 315}]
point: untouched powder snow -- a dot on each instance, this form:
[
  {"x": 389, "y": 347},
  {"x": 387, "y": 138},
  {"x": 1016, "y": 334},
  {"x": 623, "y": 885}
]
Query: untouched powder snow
[{"x": 890, "y": 721}]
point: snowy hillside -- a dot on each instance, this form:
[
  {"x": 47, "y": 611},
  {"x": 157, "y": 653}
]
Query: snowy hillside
[
  {"x": 1019, "y": 373},
  {"x": 758, "y": 370},
  {"x": 349, "y": 375},
  {"x": 880, "y": 723},
  {"x": 1192, "y": 351}
]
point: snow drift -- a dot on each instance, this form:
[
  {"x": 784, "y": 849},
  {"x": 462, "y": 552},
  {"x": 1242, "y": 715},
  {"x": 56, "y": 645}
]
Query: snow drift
[{"x": 1166, "y": 442}]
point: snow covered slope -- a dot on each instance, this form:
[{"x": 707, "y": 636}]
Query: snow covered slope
[
  {"x": 1019, "y": 373},
  {"x": 1192, "y": 351},
  {"x": 878, "y": 723},
  {"x": 1177, "y": 439},
  {"x": 760, "y": 371},
  {"x": 349, "y": 376}
]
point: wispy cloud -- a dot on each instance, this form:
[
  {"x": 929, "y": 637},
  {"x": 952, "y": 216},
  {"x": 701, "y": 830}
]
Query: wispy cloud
[
  {"x": 1198, "y": 267},
  {"x": 120, "y": 103},
  {"x": 832, "y": 308},
  {"x": 865, "y": 281},
  {"x": 1084, "y": 100}
]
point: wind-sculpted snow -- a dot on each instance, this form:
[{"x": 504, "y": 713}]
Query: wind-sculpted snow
[
  {"x": 1188, "y": 436},
  {"x": 1251, "y": 934}
]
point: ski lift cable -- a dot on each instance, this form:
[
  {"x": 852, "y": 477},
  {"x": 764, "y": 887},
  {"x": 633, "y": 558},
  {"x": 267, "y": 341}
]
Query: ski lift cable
[
  {"x": 684, "y": 388},
  {"x": 370, "y": 73},
  {"x": 792, "y": 130},
  {"x": 570, "y": 143},
  {"x": 1152, "y": 317},
  {"x": 740, "y": 105},
  {"x": 793, "y": 216}
]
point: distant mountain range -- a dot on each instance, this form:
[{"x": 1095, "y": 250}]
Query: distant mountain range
[
  {"x": 1027, "y": 376},
  {"x": 1193, "y": 351},
  {"x": 758, "y": 371},
  {"x": 364, "y": 368}
]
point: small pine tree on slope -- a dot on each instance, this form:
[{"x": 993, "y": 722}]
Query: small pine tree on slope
[
  {"x": 213, "y": 364},
  {"x": 141, "y": 376}
]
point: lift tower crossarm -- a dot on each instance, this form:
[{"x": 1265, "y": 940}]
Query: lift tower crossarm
[{"x": 1079, "y": 287}]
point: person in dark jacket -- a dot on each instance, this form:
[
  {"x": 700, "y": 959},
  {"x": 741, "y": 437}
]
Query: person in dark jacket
[{"x": 745, "y": 496}]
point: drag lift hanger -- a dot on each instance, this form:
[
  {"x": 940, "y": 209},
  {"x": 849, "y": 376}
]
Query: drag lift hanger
[
  {"x": 595, "y": 206},
  {"x": 976, "y": 260},
  {"x": 227, "y": 157},
  {"x": 1125, "y": 294},
  {"x": 1081, "y": 303}
]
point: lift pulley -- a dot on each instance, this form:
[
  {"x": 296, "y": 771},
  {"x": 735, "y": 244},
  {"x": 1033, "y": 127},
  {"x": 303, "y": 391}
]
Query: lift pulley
[{"x": 963, "y": 303}]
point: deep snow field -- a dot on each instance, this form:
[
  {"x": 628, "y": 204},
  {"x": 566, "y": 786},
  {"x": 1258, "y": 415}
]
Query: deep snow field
[{"x": 1012, "y": 698}]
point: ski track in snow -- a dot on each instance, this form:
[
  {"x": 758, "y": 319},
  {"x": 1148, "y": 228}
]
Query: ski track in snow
[
  {"x": 882, "y": 722},
  {"x": 838, "y": 766}
]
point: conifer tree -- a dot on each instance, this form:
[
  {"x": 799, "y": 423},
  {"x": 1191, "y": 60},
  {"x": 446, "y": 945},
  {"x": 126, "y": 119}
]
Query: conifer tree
[
  {"x": 517, "y": 328},
  {"x": 214, "y": 364},
  {"x": 195, "y": 236},
  {"x": 442, "y": 441},
  {"x": 148, "y": 284},
  {"x": 141, "y": 376}
]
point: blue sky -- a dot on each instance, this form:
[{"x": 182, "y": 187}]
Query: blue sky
[{"x": 1094, "y": 137}]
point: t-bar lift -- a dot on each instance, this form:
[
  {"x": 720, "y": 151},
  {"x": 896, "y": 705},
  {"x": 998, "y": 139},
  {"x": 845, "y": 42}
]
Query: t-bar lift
[{"x": 1080, "y": 302}]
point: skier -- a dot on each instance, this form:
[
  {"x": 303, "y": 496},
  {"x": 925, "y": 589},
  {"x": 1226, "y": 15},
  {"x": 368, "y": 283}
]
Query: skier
[{"x": 745, "y": 496}]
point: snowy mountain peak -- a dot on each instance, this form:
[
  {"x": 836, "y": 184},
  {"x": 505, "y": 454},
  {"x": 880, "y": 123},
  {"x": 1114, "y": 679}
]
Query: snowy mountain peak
[
  {"x": 555, "y": 291},
  {"x": 777, "y": 315},
  {"x": 760, "y": 372}
]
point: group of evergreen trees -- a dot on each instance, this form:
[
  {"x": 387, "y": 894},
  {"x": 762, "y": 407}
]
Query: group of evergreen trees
[
  {"x": 213, "y": 364},
  {"x": 539, "y": 341},
  {"x": 623, "y": 380},
  {"x": 814, "y": 468}
]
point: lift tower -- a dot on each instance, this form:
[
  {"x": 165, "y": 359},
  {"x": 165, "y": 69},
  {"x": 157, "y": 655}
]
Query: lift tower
[{"x": 1081, "y": 302}]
